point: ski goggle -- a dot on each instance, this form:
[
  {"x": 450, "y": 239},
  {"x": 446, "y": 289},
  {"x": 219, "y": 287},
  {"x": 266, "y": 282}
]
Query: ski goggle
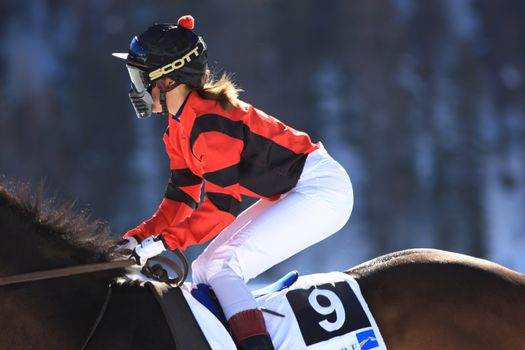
[{"x": 139, "y": 78}]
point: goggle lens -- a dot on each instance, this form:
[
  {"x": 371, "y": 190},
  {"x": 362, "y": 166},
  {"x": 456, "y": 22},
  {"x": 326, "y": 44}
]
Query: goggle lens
[{"x": 139, "y": 78}]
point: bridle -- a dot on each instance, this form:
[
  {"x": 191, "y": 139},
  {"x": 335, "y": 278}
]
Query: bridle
[{"x": 152, "y": 269}]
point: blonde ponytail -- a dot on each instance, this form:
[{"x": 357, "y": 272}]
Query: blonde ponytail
[{"x": 224, "y": 90}]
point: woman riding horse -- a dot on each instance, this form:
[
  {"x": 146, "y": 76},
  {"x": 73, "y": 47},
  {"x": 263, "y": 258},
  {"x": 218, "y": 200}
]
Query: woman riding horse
[{"x": 235, "y": 149}]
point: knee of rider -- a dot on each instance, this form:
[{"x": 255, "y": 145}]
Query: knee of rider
[
  {"x": 224, "y": 276},
  {"x": 206, "y": 270},
  {"x": 205, "y": 267},
  {"x": 199, "y": 269}
]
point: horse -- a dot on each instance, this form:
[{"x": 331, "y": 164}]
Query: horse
[{"x": 420, "y": 298}]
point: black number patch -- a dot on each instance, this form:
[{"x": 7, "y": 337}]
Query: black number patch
[{"x": 326, "y": 311}]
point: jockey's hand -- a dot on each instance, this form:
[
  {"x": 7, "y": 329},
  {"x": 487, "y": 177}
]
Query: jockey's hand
[
  {"x": 150, "y": 247},
  {"x": 127, "y": 245},
  {"x": 138, "y": 233}
]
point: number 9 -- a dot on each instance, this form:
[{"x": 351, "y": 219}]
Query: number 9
[{"x": 335, "y": 305}]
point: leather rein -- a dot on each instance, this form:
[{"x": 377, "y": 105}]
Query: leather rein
[
  {"x": 149, "y": 271},
  {"x": 64, "y": 272}
]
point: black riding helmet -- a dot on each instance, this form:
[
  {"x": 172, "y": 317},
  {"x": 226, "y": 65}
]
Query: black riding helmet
[{"x": 169, "y": 50}]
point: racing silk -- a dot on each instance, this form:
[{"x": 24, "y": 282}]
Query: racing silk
[{"x": 241, "y": 151}]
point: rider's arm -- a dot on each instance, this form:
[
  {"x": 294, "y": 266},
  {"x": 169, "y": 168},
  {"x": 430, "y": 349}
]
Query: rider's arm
[{"x": 180, "y": 199}]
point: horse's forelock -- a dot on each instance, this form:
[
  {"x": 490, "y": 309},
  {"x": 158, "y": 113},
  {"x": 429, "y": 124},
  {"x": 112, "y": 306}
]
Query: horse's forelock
[{"x": 64, "y": 221}]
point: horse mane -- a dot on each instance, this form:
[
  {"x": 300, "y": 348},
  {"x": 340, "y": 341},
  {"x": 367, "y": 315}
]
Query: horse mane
[{"x": 60, "y": 221}]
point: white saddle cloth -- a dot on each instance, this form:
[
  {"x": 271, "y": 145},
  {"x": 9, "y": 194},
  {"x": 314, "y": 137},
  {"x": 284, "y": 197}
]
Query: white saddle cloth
[{"x": 321, "y": 311}]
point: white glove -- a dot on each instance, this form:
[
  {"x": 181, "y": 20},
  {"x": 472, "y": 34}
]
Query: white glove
[
  {"x": 150, "y": 247},
  {"x": 127, "y": 244}
]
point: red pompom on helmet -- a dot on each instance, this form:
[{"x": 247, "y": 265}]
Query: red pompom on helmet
[{"x": 187, "y": 22}]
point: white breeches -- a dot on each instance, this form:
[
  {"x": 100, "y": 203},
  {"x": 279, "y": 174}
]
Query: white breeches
[{"x": 269, "y": 232}]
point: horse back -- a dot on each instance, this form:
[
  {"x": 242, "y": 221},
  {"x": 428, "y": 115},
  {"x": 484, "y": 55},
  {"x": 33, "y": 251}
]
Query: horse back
[{"x": 431, "y": 299}]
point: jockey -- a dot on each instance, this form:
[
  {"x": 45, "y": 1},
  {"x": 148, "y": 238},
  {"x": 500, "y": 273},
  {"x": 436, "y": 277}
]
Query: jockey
[{"x": 233, "y": 149}]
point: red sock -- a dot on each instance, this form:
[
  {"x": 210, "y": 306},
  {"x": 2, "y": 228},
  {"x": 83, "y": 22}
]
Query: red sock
[{"x": 246, "y": 324}]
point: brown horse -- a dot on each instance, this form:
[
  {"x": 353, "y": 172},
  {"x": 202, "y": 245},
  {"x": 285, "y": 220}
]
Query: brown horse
[{"x": 421, "y": 299}]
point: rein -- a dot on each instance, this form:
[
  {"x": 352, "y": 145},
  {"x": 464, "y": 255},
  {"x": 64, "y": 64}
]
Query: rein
[
  {"x": 64, "y": 272},
  {"x": 160, "y": 275}
]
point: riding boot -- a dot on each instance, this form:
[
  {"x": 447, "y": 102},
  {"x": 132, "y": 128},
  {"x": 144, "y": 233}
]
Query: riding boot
[{"x": 249, "y": 331}]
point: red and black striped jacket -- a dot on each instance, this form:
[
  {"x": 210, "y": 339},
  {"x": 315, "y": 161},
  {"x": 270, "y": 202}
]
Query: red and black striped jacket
[{"x": 241, "y": 151}]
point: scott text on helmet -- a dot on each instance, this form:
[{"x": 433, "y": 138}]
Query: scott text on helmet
[{"x": 177, "y": 64}]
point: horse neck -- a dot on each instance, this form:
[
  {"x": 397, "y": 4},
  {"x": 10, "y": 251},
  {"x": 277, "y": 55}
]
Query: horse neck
[
  {"x": 29, "y": 245},
  {"x": 46, "y": 314}
]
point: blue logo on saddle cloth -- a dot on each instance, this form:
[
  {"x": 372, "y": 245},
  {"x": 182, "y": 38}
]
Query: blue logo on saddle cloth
[{"x": 367, "y": 340}]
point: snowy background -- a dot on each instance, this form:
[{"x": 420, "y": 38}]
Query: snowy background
[{"x": 423, "y": 102}]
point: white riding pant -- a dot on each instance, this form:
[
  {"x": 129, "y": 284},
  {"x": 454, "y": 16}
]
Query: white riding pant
[{"x": 269, "y": 232}]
